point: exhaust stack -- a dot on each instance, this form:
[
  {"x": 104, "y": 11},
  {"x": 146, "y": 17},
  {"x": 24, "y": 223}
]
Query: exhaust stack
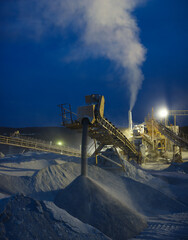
[{"x": 130, "y": 120}]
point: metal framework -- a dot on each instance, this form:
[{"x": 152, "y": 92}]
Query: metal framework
[
  {"x": 39, "y": 145},
  {"x": 92, "y": 122},
  {"x": 68, "y": 117},
  {"x": 176, "y": 139},
  {"x": 176, "y": 113},
  {"x": 105, "y": 133}
]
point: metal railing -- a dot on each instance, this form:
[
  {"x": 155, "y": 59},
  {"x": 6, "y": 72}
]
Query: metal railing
[
  {"x": 176, "y": 139},
  {"x": 116, "y": 133},
  {"x": 39, "y": 145}
]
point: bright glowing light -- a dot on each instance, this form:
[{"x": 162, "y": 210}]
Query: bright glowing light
[
  {"x": 60, "y": 143},
  {"x": 163, "y": 113}
]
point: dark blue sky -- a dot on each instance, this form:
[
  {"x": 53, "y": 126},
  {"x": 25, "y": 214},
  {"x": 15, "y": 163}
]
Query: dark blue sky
[{"x": 35, "y": 78}]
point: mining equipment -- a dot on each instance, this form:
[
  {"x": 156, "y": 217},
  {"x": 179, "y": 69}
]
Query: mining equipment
[
  {"x": 150, "y": 137},
  {"x": 91, "y": 119},
  {"x": 163, "y": 137},
  {"x": 37, "y": 145}
]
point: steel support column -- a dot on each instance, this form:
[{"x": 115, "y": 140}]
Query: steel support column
[{"x": 85, "y": 123}]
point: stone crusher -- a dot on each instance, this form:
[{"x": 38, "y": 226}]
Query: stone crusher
[
  {"x": 160, "y": 133},
  {"x": 178, "y": 141},
  {"x": 91, "y": 119}
]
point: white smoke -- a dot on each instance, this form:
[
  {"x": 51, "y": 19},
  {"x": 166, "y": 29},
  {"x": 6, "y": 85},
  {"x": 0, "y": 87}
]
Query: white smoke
[{"x": 107, "y": 28}]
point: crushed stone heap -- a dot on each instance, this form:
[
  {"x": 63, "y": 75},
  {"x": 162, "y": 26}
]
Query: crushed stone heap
[
  {"x": 92, "y": 204},
  {"x": 23, "y": 218}
]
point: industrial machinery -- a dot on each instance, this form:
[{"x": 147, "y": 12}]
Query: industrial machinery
[
  {"x": 38, "y": 145},
  {"x": 164, "y": 137},
  {"x": 147, "y": 137},
  {"x": 91, "y": 119}
]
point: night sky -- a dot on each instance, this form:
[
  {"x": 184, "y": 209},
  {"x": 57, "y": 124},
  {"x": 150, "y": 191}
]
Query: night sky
[{"x": 37, "y": 75}]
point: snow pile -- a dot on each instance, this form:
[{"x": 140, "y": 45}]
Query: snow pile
[
  {"x": 24, "y": 218},
  {"x": 92, "y": 204}
]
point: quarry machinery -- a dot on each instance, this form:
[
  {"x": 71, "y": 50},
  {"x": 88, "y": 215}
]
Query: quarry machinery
[
  {"x": 161, "y": 134},
  {"x": 91, "y": 119},
  {"x": 175, "y": 138},
  {"x": 38, "y": 145}
]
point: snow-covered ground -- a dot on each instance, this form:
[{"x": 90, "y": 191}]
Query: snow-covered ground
[{"x": 43, "y": 193}]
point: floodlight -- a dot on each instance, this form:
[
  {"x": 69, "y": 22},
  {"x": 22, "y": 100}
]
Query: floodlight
[
  {"x": 163, "y": 113},
  {"x": 59, "y": 143}
]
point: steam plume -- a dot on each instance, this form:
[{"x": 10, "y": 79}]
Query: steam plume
[{"x": 107, "y": 28}]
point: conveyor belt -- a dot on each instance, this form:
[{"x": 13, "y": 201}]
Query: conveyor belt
[
  {"x": 100, "y": 129},
  {"x": 147, "y": 139},
  {"x": 107, "y": 134},
  {"x": 177, "y": 140},
  {"x": 39, "y": 145}
]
